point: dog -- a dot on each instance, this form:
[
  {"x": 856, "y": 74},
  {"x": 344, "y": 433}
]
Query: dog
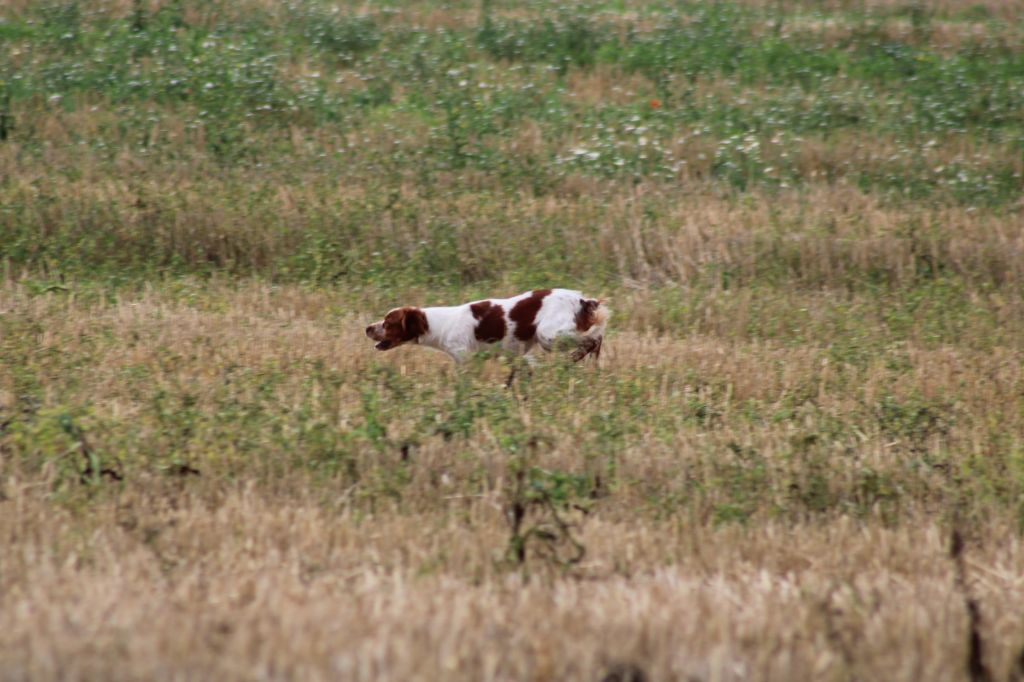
[{"x": 542, "y": 317}]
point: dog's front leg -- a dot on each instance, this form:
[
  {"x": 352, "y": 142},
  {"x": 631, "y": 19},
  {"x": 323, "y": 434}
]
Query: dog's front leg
[{"x": 526, "y": 359}]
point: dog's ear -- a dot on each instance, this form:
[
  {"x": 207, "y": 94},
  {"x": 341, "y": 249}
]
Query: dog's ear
[{"x": 414, "y": 323}]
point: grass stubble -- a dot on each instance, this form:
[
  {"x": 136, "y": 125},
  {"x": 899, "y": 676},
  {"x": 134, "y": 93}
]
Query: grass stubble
[
  {"x": 713, "y": 550},
  {"x": 801, "y": 456}
]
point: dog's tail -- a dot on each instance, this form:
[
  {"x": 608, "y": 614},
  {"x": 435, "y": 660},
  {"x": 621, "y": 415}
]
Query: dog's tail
[{"x": 592, "y": 317}]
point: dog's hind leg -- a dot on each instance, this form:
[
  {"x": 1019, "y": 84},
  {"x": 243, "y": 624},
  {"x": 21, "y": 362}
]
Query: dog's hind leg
[{"x": 587, "y": 345}]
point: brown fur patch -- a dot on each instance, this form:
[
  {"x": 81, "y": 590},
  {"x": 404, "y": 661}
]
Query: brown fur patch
[
  {"x": 403, "y": 325},
  {"x": 585, "y": 315},
  {"x": 524, "y": 314},
  {"x": 490, "y": 326}
]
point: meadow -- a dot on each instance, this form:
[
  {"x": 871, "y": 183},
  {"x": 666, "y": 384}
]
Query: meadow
[{"x": 800, "y": 457}]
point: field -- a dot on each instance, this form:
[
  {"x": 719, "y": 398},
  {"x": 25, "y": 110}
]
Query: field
[{"x": 800, "y": 457}]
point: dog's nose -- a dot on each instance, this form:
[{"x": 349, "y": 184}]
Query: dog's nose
[{"x": 369, "y": 329}]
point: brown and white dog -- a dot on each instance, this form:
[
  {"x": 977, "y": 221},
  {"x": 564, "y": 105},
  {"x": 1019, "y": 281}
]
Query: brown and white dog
[{"x": 535, "y": 318}]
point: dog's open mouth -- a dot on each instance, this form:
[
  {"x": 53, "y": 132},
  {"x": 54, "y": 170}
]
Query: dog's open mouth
[{"x": 383, "y": 345}]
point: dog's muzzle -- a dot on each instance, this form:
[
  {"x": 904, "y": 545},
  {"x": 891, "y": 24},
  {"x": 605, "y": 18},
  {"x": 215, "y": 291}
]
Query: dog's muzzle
[{"x": 376, "y": 332}]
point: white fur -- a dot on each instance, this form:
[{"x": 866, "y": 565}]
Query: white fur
[{"x": 452, "y": 328}]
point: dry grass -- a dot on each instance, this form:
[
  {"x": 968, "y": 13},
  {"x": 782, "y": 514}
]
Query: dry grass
[
  {"x": 260, "y": 585},
  {"x": 824, "y": 234},
  {"x": 947, "y": 36},
  {"x": 257, "y": 567}
]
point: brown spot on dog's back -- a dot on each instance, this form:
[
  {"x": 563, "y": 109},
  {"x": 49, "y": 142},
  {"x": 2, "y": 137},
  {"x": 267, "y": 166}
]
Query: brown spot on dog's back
[
  {"x": 490, "y": 321},
  {"x": 585, "y": 315},
  {"x": 524, "y": 314}
]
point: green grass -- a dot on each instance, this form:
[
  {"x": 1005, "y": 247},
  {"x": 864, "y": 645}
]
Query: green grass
[{"x": 307, "y": 95}]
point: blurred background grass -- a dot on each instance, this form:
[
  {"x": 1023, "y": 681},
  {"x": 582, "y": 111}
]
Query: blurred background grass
[{"x": 424, "y": 145}]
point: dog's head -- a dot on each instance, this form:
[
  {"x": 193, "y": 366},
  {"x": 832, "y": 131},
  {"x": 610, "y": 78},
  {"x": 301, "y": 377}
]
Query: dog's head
[{"x": 399, "y": 326}]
